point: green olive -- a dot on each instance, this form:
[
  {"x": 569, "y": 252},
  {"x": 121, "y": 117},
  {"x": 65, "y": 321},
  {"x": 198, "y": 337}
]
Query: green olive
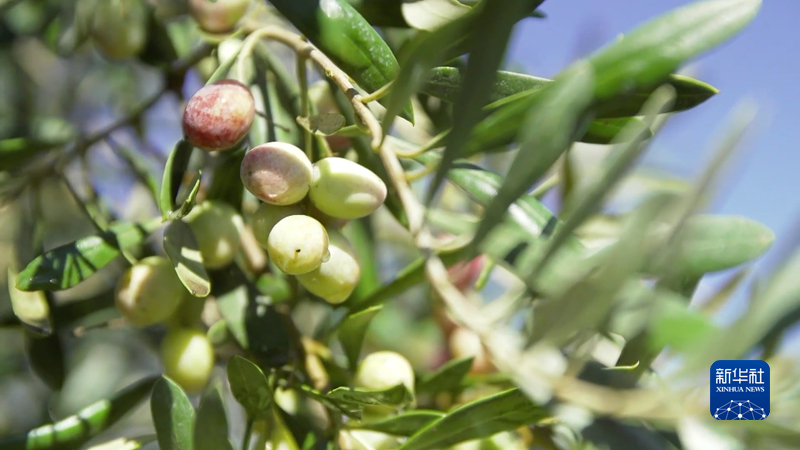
[
  {"x": 188, "y": 358},
  {"x": 149, "y": 292},
  {"x": 383, "y": 370},
  {"x": 344, "y": 189},
  {"x": 277, "y": 173},
  {"x": 217, "y": 16},
  {"x": 298, "y": 244},
  {"x": 119, "y": 27},
  {"x": 214, "y": 227},
  {"x": 266, "y": 216},
  {"x": 335, "y": 279}
]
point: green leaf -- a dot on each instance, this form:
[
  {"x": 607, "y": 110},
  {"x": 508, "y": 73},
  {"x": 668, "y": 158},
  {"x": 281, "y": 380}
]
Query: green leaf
[
  {"x": 445, "y": 83},
  {"x": 181, "y": 247},
  {"x": 646, "y": 56},
  {"x": 322, "y": 124},
  {"x": 549, "y": 130},
  {"x": 711, "y": 243},
  {"x": 678, "y": 327},
  {"x": 250, "y": 387},
  {"x": 258, "y": 327},
  {"x": 226, "y": 185},
  {"x": 46, "y": 134},
  {"x": 446, "y": 378},
  {"x": 354, "y": 400},
  {"x": 46, "y": 358},
  {"x": 69, "y": 264},
  {"x": 173, "y": 416},
  {"x": 174, "y": 170},
  {"x": 211, "y": 429},
  {"x": 360, "y": 238},
  {"x": 428, "y": 15},
  {"x": 352, "y": 331},
  {"x": 404, "y": 424},
  {"x": 487, "y": 45},
  {"x": 505, "y": 411}
]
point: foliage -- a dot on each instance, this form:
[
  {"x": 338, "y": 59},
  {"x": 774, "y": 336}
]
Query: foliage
[{"x": 526, "y": 326}]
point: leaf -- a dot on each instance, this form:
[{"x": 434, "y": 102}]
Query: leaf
[
  {"x": 69, "y": 264},
  {"x": 174, "y": 170},
  {"x": 173, "y": 416},
  {"x": 354, "y": 400},
  {"x": 352, "y": 331},
  {"x": 678, "y": 327},
  {"x": 322, "y": 124},
  {"x": 487, "y": 45},
  {"x": 446, "y": 378},
  {"x": 211, "y": 429},
  {"x": 46, "y": 358},
  {"x": 123, "y": 444},
  {"x": 31, "y": 308},
  {"x": 259, "y": 328},
  {"x": 645, "y": 57},
  {"x": 445, "y": 83},
  {"x": 429, "y": 15},
  {"x": 712, "y": 243},
  {"x": 404, "y": 424},
  {"x": 182, "y": 249},
  {"x": 226, "y": 184},
  {"x": 505, "y": 411},
  {"x": 224, "y": 67},
  {"x": 548, "y": 132},
  {"x": 358, "y": 234},
  {"x": 250, "y": 387},
  {"x": 46, "y": 134}
]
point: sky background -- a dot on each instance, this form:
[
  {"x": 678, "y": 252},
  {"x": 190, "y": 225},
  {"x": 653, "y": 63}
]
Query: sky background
[{"x": 759, "y": 64}]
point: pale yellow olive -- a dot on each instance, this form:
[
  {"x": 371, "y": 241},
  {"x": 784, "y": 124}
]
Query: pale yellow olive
[
  {"x": 188, "y": 358},
  {"x": 149, "y": 292},
  {"x": 266, "y": 216},
  {"x": 465, "y": 343},
  {"x": 383, "y": 370},
  {"x": 344, "y": 189},
  {"x": 278, "y": 173},
  {"x": 218, "y": 16},
  {"x": 119, "y": 27},
  {"x": 335, "y": 279},
  {"x": 298, "y": 244},
  {"x": 214, "y": 227},
  {"x": 369, "y": 440}
]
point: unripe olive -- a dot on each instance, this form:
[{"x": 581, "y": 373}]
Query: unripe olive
[
  {"x": 335, "y": 279},
  {"x": 119, "y": 27},
  {"x": 219, "y": 115},
  {"x": 214, "y": 227},
  {"x": 344, "y": 189},
  {"x": 217, "y": 16},
  {"x": 298, "y": 244},
  {"x": 278, "y": 173},
  {"x": 188, "y": 358},
  {"x": 149, "y": 292},
  {"x": 266, "y": 216},
  {"x": 383, "y": 370},
  {"x": 464, "y": 343}
]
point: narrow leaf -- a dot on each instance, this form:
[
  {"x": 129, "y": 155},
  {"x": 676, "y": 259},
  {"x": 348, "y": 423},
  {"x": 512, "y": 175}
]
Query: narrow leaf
[
  {"x": 505, "y": 411},
  {"x": 211, "y": 430},
  {"x": 173, "y": 416},
  {"x": 354, "y": 400},
  {"x": 182, "y": 249},
  {"x": 173, "y": 175},
  {"x": 446, "y": 378},
  {"x": 352, "y": 331},
  {"x": 322, "y": 124},
  {"x": 250, "y": 387},
  {"x": 404, "y": 424},
  {"x": 46, "y": 358}
]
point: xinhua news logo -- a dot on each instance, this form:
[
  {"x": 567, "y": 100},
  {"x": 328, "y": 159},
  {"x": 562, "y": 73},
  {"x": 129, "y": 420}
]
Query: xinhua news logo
[{"x": 740, "y": 390}]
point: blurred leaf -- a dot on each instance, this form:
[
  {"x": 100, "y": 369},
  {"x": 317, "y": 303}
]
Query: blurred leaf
[
  {"x": 646, "y": 56},
  {"x": 250, "y": 387},
  {"x": 360, "y": 238},
  {"x": 258, "y": 327},
  {"x": 173, "y": 175},
  {"x": 173, "y": 416},
  {"x": 139, "y": 166},
  {"x": 46, "y": 358},
  {"x": 226, "y": 184},
  {"x": 550, "y": 127},
  {"x": 428, "y": 15},
  {"x": 182, "y": 249},
  {"x": 724, "y": 293},
  {"x": 447, "y": 378},
  {"x": 352, "y": 331},
  {"x": 354, "y": 400},
  {"x": 123, "y": 443},
  {"x": 322, "y": 124},
  {"x": 404, "y": 424},
  {"x": 487, "y": 44},
  {"x": 505, "y": 411},
  {"x": 31, "y": 308},
  {"x": 211, "y": 429},
  {"x": 678, "y": 327},
  {"x": 69, "y": 264},
  {"x": 609, "y": 433},
  {"x": 445, "y": 83}
]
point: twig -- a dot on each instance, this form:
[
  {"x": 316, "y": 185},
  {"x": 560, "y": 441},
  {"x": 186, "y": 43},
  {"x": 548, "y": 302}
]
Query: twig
[{"x": 305, "y": 108}]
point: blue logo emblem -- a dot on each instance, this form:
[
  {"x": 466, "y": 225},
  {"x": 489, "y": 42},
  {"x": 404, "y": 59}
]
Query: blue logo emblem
[{"x": 740, "y": 390}]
